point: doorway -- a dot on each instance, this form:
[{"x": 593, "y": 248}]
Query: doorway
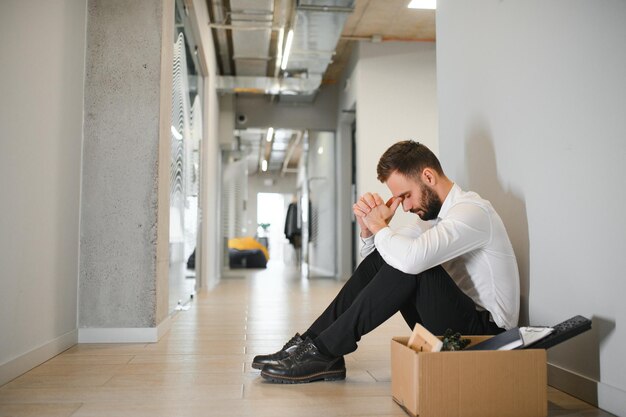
[{"x": 271, "y": 216}]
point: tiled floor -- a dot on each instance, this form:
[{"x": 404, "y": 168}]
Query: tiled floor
[{"x": 202, "y": 366}]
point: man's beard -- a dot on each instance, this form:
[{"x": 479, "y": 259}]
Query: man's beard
[{"x": 431, "y": 205}]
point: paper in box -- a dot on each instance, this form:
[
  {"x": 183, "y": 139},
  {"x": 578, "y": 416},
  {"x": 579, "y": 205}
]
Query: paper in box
[{"x": 469, "y": 383}]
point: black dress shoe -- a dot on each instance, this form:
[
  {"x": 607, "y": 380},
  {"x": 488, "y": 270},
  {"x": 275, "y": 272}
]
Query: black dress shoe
[
  {"x": 261, "y": 360},
  {"x": 306, "y": 364}
]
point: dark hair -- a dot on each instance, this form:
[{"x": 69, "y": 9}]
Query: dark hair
[{"x": 408, "y": 158}]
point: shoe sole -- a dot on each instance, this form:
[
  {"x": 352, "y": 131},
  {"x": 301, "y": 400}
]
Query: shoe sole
[{"x": 326, "y": 376}]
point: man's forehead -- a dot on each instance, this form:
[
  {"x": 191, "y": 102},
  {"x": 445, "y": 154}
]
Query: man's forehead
[
  {"x": 398, "y": 190},
  {"x": 401, "y": 194}
]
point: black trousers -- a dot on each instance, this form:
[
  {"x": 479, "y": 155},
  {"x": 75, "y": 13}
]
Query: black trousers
[{"x": 376, "y": 291}]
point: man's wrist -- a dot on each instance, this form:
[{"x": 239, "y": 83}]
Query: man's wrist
[{"x": 375, "y": 228}]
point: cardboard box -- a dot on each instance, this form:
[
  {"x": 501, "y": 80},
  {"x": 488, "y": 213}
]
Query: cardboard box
[{"x": 469, "y": 383}]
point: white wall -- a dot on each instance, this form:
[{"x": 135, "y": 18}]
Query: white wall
[
  {"x": 532, "y": 96},
  {"x": 396, "y": 99},
  {"x": 41, "y": 114},
  {"x": 226, "y": 119},
  {"x": 261, "y": 112}
]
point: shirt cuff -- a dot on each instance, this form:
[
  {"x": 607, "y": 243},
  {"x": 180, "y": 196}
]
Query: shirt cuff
[{"x": 367, "y": 240}]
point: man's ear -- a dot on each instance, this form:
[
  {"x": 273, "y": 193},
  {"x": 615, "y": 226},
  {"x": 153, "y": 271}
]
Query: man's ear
[{"x": 429, "y": 177}]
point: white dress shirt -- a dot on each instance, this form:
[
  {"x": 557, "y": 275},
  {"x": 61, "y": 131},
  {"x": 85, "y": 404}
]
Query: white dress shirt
[{"x": 469, "y": 241}]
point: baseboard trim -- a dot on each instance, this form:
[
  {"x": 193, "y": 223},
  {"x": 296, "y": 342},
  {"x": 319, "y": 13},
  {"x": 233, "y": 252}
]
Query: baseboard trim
[
  {"x": 574, "y": 384},
  {"x": 322, "y": 272},
  {"x": 124, "y": 334},
  {"x": 24, "y": 363},
  {"x": 164, "y": 327},
  {"x": 599, "y": 394}
]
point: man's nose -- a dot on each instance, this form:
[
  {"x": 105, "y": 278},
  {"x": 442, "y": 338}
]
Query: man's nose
[{"x": 405, "y": 206}]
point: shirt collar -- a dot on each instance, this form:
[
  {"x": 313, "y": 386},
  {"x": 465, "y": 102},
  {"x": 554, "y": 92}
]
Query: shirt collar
[{"x": 447, "y": 203}]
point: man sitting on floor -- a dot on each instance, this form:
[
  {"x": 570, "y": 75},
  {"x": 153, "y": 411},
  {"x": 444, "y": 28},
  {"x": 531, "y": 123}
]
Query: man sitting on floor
[{"x": 453, "y": 269}]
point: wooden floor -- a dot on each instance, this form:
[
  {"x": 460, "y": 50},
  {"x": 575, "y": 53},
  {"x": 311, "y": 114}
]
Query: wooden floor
[{"x": 202, "y": 366}]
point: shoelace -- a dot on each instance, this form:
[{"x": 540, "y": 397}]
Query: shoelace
[
  {"x": 292, "y": 342},
  {"x": 302, "y": 349}
]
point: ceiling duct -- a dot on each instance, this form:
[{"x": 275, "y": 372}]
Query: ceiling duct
[
  {"x": 252, "y": 24},
  {"x": 220, "y": 37},
  {"x": 317, "y": 26}
]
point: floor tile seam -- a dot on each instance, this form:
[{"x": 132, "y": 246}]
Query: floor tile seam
[
  {"x": 44, "y": 404},
  {"x": 41, "y": 403},
  {"x": 191, "y": 355},
  {"x": 104, "y": 390},
  {"x": 372, "y": 375},
  {"x": 187, "y": 372}
]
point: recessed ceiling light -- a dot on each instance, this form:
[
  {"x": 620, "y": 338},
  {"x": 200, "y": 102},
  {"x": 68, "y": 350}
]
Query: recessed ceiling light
[
  {"x": 423, "y": 4},
  {"x": 264, "y": 165}
]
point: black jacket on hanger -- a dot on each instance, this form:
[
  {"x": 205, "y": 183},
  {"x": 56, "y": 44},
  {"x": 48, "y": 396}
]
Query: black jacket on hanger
[{"x": 292, "y": 231}]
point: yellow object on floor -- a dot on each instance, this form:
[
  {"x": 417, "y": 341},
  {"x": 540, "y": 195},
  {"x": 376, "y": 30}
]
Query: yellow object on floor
[{"x": 247, "y": 243}]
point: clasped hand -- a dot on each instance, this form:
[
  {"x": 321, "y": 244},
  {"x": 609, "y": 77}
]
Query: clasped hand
[{"x": 373, "y": 214}]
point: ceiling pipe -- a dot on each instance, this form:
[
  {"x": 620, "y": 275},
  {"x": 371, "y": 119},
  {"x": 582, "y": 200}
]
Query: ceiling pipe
[
  {"x": 233, "y": 27},
  {"x": 329, "y": 9},
  {"x": 378, "y": 38}
]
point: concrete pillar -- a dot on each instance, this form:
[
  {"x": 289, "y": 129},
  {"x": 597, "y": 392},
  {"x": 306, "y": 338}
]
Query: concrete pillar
[{"x": 126, "y": 157}]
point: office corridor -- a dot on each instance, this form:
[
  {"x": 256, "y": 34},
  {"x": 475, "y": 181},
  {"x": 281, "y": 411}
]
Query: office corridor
[{"x": 201, "y": 367}]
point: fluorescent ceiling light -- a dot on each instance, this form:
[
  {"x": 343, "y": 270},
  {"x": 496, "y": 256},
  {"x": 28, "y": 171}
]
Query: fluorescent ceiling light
[
  {"x": 423, "y": 4},
  {"x": 270, "y": 133},
  {"x": 176, "y": 133},
  {"x": 264, "y": 165},
  {"x": 320, "y": 150},
  {"x": 283, "y": 66}
]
